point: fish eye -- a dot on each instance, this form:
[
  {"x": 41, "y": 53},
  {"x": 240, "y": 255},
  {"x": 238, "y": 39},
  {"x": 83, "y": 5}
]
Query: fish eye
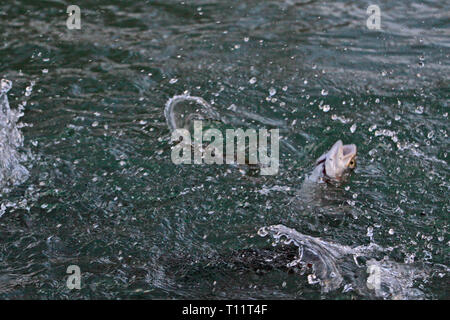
[{"x": 352, "y": 163}]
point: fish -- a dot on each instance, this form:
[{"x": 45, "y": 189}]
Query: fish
[
  {"x": 184, "y": 111},
  {"x": 335, "y": 164},
  {"x": 181, "y": 110},
  {"x": 331, "y": 170}
]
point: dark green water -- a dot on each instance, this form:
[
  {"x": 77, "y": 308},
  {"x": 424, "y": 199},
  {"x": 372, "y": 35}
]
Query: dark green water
[{"x": 103, "y": 194}]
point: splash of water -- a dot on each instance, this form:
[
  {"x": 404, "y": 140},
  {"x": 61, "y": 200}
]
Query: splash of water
[
  {"x": 11, "y": 140},
  {"x": 181, "y": 117},
  {"x": 181, "y": 110},
  {"x": 334, "y": 264}
]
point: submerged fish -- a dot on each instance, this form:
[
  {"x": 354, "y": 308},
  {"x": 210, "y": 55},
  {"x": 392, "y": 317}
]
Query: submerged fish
[{"x": 194, "y": 114}]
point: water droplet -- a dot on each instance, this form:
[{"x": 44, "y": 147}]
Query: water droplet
[
  {"x": 262, "y": 232},
  {"x": 419, "y": 110},
  {"x": 28, "y": 91},
  {"x": 5, "y": 85}
]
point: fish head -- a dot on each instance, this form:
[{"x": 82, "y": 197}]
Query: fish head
[{"x": 339, "y": 160}]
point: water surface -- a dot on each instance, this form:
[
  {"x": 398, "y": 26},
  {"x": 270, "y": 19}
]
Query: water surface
[{"x": 103, "y": 194}]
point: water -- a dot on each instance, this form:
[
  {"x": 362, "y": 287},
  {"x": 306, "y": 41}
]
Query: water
[
  {"x": 332, "y": 265},
  {"x": 95, "y": 185},
  {"x": 11, "y": 139}
]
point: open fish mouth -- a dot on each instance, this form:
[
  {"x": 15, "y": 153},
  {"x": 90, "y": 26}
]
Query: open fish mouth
[{"x": 349, "y": 149}]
